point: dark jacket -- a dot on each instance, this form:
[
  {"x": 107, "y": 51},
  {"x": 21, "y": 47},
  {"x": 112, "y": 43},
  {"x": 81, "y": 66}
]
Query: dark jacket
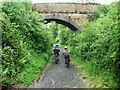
[{"x": 56, "y": 51}]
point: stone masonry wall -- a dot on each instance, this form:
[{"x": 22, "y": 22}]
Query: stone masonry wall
[{"x": 64, "y": 7}]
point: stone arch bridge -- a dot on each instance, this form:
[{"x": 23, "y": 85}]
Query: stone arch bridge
[{"x": 72, "y": 15}]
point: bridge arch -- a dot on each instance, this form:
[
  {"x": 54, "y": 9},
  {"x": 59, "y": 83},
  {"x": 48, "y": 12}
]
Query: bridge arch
[{"x": 62, "y": 20}]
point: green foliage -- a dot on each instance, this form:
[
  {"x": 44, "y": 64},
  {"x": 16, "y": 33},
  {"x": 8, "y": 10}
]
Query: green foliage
[
  {"x": 26, "y": 43},
  {"x": 97, "y": 46},
  {"x": 102, "y": 10},
  {"x": 54, "y": 29},
  {"x": 60, "y": 33},
  {"x": 33, "y": 68}
]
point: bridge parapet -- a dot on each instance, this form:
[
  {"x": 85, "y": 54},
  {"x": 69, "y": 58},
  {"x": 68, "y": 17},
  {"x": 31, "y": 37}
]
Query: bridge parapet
[{"x": 65, "y": 8}]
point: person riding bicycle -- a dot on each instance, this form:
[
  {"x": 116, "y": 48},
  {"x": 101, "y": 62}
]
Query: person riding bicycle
[
  {"x": 66, "y": 53},
  {"x": 56, "y": 51}
]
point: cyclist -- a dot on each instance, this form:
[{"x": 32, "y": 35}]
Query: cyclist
[
  {"x": 56, "y": 54},
  {"x": 66, "y": 53}
]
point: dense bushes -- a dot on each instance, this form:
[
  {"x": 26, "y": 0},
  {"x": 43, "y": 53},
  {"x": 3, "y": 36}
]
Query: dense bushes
[
  {"x": 26, "y": 44},
  {"x": 98, "y": 45}
]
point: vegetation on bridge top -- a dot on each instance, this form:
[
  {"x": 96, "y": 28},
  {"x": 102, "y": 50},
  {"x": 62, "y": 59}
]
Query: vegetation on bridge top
[{"x": 91, "y": 3}]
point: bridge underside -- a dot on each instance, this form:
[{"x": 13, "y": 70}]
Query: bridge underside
[
  {"x": 76, "y": 13},
  {"x": 62, "y": 20}
]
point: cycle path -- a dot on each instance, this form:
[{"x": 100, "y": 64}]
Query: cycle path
[{"x": 59, "y": 76}]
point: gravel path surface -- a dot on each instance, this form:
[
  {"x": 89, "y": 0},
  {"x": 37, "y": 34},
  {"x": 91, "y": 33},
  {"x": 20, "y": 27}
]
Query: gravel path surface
[{"x": 59, "y": 76}]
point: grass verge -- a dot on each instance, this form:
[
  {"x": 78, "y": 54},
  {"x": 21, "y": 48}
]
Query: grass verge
[
  {"x": 33, "y": 69},
  {"x": 94, "y": 79}
]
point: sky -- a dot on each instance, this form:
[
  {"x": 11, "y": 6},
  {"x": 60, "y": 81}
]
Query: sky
[{"x": 47, "y": 1}]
